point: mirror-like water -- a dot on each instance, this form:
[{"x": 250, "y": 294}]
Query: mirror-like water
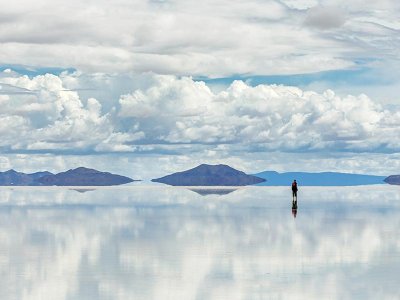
[{"x": 175, "y": 243}]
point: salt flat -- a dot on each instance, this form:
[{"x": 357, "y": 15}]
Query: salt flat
[{"x": 160, "y": 242}]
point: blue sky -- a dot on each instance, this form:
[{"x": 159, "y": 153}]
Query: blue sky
[{"x": 259, "y": 84}]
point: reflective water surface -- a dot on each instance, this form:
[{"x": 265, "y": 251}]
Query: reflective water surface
[{"x": 175, "y": 243}]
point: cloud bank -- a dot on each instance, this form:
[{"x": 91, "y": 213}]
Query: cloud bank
[{"x": 169, "y": 113}]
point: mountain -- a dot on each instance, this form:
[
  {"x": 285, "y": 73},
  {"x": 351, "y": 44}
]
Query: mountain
[
  {"x": 12, "y": 177},
  {"x": 209, "y": 175},
  {"x": 393, "y": 179},
  {"x": 83, "y": 177},
  {"x": 318, "y": 179},
  {"x": 37, "y": 175},
  {"x": 77, "y": 177}
]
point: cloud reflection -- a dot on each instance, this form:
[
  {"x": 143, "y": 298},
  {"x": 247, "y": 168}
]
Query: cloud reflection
[{"x": 170, "y": 243}]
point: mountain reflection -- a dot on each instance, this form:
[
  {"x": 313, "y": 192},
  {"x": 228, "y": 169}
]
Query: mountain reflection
[
  {"x": 83, "y": 190},
  {"x": 210, "y": 191},
  {"x": 168, "y": 243}
]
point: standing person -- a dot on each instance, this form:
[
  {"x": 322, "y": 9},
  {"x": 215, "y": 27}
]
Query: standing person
[{"x": 294, "y": 190}]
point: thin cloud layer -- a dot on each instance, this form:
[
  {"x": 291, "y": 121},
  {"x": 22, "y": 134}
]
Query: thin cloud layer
[{"x": 198, "y": 38}]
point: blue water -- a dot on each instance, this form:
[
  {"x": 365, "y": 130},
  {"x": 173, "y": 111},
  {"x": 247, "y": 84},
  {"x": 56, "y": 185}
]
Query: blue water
[
  {"x": 174, "y": 243},
  {"x": 318, "y": 179}
]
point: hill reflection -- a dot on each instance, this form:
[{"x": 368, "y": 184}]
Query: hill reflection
[{"x": 210, "y": 191}]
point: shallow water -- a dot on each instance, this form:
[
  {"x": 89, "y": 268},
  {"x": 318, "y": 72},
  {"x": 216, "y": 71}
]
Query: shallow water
[{"x": 174, "y": 243}]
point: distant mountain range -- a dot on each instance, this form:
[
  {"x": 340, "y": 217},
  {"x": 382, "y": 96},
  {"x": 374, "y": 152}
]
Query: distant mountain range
[
  {"x": 76, "y": 177},
  {"x": 12, "y": 177},
  {"x": 202, "y": 175},
  {"x": 210, "y": 175},
  {"x": 319, "y": 179}
]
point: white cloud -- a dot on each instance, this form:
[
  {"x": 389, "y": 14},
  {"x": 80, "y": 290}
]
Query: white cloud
[
  {"x": 266, "y": 116},
  {"x": 52, "y": 118},
  {"x": 167, "y": 113},
  {"x": 205, "y": 38},
  {"x": 208, "y": 38}
]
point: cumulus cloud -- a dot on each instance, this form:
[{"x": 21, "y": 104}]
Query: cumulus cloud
[
  {"x": 52, "y": 118},
  {"x": 169, "y": 114},
  {"x": 266, "y": 116}
]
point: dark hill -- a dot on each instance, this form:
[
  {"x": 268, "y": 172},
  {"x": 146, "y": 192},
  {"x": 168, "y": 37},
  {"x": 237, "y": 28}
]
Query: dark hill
[
  {"x": 12, "y": 177},
  {"x": 37, "y": 175},
  {"x": 83, "y": 177},
  {"x": 77, "y": 177},
  {"x": 393, "y": 179},
  {"x": 210, "y": 175}
]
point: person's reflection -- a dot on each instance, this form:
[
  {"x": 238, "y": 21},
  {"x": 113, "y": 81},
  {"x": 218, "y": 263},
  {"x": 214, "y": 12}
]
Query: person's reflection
[{"x": 294, "y": 208}]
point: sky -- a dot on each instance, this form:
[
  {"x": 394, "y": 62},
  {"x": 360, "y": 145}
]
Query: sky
[{"x": 145, "y": 88}]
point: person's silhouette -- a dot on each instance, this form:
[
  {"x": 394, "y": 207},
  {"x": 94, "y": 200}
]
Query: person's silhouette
[
  {"x": 294, "y": 190},
  {"x": 294, "y": 194}
]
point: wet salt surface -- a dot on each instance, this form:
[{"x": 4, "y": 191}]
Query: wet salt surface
[{"x": 176, "y": 243}]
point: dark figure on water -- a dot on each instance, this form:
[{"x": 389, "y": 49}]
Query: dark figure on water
[
  {"x": 294, "y": 202},
  {"x": 294, "y": 211}
]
